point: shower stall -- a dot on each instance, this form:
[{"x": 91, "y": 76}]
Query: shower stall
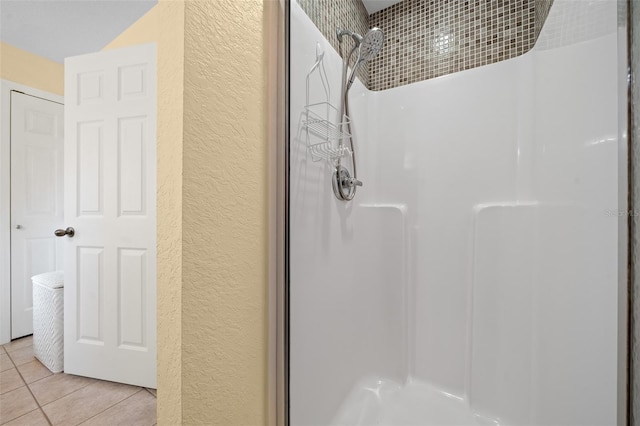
[{"x": 477, "y": 276}]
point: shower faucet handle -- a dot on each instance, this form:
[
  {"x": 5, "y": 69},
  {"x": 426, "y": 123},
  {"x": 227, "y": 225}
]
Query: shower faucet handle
[{"x": 352, "y": 182}]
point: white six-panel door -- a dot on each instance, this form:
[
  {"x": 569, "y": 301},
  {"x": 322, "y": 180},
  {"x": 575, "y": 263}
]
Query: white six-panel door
[
  {"x": 110, "y": 201},
  {"x": 37, "y": 127}
]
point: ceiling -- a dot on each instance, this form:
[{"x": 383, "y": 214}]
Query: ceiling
[
  {"x": 376, "y": 5},
  {"x": 56, "y": 29}
]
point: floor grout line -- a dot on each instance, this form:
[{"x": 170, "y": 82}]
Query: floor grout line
[
  {"x": 14, "y": 364},
  {"x": 41, "y": 378},
  {"x": 71, "y": 393},
  {"x": 28, "y": 388},
  {"x": 44, "y": 414},
  {"x": 97, "y": 414},
  {"x": 20, "y": 338},
  {"x": 55, "y": 374},
  {"x": 26, "y": 385},
  {"x": 41, "y": 408},
  {"x": 66, "y": 395}
]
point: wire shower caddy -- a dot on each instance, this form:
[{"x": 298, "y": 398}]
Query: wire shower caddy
[{"x": 324, "y": 124}]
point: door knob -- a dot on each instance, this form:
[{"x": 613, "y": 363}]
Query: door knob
[
  {"x": 62, "y": 232},
  {"x": 18, "y": 226}
]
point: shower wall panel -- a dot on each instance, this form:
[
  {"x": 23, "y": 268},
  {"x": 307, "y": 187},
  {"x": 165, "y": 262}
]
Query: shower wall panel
[
  {"x": 576, "y": 182},
  {"x": 347, "y": 260},
  {"x": 536, "y": 139},
  {"x": 480, "y": 255},
  {"x": 441, "y": 147}
]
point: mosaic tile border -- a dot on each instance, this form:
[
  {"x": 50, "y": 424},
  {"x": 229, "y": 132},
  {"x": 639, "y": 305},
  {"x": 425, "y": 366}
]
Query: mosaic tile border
[
  {"x": 430, "y": 38},
  {"x": 347, "y": 14}
]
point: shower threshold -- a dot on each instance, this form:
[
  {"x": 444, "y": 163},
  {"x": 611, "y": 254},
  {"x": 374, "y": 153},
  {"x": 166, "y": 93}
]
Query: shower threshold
[{"x": 379, "y": 401}]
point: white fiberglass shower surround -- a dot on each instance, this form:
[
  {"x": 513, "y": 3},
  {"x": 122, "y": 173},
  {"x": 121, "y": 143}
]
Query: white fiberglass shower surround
[{"x": 474, "y": 278}]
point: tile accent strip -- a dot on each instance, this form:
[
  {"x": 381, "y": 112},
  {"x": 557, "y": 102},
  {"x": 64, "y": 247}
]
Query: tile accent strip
[
  {"x": 431, "y": 38},
  {"x": 328, "y": 15},
  {"x": 427, "y": 39}
]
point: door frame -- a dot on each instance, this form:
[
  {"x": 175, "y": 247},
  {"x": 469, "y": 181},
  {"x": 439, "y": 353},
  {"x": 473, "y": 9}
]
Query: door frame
[
  {"x": 628, "y": 361},
  {"x": 6, "y": 87},
  {"x": 278, "y": 131}
]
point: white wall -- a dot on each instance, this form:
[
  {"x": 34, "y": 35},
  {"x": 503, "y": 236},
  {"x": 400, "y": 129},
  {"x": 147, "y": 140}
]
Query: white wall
[{"x": 498, "y": 184}]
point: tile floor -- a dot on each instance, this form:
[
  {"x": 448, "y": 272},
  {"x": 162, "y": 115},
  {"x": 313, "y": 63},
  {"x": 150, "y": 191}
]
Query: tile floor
[{"x": 31, "y": 395}]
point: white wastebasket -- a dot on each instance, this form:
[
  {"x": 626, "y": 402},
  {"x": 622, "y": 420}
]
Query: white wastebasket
[{"x": 48, "y": 319}]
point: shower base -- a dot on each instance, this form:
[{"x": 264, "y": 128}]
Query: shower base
[{"x": 377, "y": 401}]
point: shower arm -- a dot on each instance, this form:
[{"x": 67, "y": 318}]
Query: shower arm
[
  {"x": 357, "y": 38},
  {"x": 344, "y": 105},
  {"x": 343, "y": 89},
  {"x": 352, "y": 77},
  {"x": 352, "y": 181}
]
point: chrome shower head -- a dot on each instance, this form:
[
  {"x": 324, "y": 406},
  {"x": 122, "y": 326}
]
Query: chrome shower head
[{"x": 371, "y": 44}]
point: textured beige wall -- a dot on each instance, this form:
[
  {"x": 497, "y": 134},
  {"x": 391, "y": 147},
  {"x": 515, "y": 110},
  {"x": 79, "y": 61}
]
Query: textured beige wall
[
  {"x": 164, "y": 24},
  {"x": 212, "y": 209},
  {"x": 23, "y": 67},
  {"x": 212, "y": 248},
  {"x": 224, "y": 295}
]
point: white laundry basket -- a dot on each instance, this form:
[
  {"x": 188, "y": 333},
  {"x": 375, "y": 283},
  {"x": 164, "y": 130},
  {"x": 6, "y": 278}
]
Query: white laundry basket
[{"x": 48, "y": 319}]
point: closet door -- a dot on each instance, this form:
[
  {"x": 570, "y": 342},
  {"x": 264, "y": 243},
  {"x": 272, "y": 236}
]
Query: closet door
[{"x": 37, "y": 187}]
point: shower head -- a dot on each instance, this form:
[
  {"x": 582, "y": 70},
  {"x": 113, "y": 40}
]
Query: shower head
[{"x": 371, "y": 44}]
